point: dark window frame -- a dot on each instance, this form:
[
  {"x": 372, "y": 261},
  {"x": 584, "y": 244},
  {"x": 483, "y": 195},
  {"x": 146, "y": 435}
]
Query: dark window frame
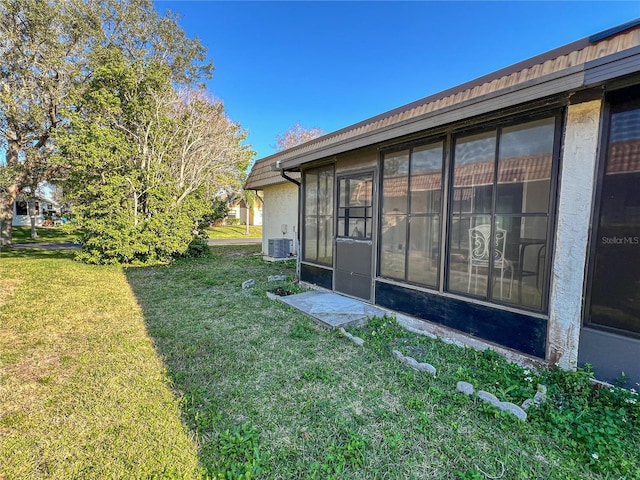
[
  {"x": 317, "y": 171},
  {"x": 617, "y": 101},
  {"x": 443, "y": 141},
  {"x": 368, "y": 209},
  {"x": 448, "y": 138},
  {"x": 559, "y": 115},
  {"x": 22, "y": 207}
]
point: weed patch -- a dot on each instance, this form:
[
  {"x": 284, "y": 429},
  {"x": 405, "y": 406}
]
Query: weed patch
[
  {"x": 596, "y": 427},
  {"x": 238, "y": 449}
]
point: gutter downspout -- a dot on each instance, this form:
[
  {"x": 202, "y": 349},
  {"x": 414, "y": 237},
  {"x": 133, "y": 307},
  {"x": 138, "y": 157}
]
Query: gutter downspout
[
  {"x": 292, "y": 180},
  {"x": 297, "y": 233}
]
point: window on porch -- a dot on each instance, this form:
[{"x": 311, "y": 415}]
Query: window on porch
[
  {"x": 411, "y": 204},
  {"x": 500, "y": 199},
  {"x": 318, "y": 215}
]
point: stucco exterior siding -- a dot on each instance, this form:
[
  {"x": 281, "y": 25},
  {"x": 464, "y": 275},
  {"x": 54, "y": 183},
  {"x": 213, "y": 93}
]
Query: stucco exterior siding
[
  {"x": 280, "y": 207},
  {"x": 577, "y": 180}
]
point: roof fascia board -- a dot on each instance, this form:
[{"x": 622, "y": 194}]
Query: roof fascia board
[
  {"x": 261, "y": 185},
  {"x": 538, "y": 59},
  {"x": 612, "y": 66},
  {"x": 614, "y": 30},
  {"x": 530, "y": 62},
  {"x": 538, "y": 88},
  {"x": 267, "y": 183}
]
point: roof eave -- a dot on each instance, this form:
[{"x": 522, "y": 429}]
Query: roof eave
[
  {"x": 565, "y": 81},
  {"x": 552, "y": 84}
]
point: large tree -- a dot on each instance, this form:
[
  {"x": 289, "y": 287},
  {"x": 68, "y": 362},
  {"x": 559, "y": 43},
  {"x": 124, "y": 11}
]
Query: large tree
[
  {"x": 145, "y": 160},
  {"x": 49, "y": 51},
  {"x": 38, "y": 39}
]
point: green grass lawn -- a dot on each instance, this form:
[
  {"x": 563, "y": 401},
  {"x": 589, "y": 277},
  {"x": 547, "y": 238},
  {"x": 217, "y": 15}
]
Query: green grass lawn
[
  {"x": 234, "y": 231},
  {"x": 179, "y": 373},
  {"x": 45, "y": 234},
  {"x": 84, "y": 394}
]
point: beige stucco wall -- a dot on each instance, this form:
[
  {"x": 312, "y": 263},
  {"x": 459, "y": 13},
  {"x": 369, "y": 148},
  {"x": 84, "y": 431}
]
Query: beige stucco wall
[
  {"x": 280, "y": 207},
  {"x": 577, "y": 180},
  {"x": 255, "y": 214}
]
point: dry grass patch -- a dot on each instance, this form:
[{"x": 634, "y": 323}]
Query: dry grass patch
[{"x": 7, "y": 287}]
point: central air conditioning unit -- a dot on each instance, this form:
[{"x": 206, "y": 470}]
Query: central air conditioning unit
[{"x": 280, "y": 247}]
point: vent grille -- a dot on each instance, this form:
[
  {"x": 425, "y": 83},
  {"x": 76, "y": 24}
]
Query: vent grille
[{"x": 280, "y": 247}]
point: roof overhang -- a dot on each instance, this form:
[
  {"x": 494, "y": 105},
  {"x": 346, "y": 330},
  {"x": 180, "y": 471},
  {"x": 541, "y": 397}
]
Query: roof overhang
[
  {"x": 567, "y": 81},
  {"x": 518, "y": 85}
]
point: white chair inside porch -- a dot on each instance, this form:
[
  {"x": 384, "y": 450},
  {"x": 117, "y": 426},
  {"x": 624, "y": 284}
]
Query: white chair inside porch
[{"x": 480, "y": 251}]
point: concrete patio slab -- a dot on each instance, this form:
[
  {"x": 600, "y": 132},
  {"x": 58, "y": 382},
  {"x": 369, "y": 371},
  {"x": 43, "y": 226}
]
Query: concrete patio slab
[{"x": 331, "y": 309}]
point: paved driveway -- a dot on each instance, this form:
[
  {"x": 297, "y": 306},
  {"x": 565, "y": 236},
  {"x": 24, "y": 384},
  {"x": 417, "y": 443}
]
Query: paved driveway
[
  {"x": 75, "y": 246},
  {"x": 235, "y": 241},
  {"x": 47, "y": 246}
]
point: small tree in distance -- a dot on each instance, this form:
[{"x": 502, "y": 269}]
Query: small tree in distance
[{"x": 296, "y": 135}]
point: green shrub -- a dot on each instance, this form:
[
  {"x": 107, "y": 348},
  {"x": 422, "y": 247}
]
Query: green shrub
[
  {"x": 198, "y": 247},
  {"x": 113, "y": 240}
]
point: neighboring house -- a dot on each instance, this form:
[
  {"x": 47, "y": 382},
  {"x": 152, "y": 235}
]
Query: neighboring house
[
  {"x": 280, "y": 209},
  {"x": 44, "y": 207},
  {"x": 246, "y": 215},
  {"x": 504, "y": 212}
]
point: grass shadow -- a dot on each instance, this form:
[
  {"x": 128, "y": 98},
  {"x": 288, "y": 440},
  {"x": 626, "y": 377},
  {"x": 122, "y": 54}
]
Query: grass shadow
[
  {"x": 84, "y": 394},
  {"x": 268, "y": 393},
  {"x": 200, "y": 320}
]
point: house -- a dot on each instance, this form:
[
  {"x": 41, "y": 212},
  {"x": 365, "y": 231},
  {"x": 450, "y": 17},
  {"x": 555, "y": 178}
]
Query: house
[
  {"x": 248, "y": 215},
  {"x": 44, "y": 208},
  {"x": 280, "y": 204},
  {"x": 503, "y": 212}
]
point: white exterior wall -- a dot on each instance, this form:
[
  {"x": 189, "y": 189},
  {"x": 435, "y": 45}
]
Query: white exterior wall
[
  {"x": 280, "y": 207},
  {"x": 25, "y": 220},
  {"x": 257, "y": 214},
  {"x": 577, "y": 181}
]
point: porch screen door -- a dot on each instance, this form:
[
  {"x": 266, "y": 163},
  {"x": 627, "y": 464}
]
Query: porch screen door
[{"x": 354, "y": 235}]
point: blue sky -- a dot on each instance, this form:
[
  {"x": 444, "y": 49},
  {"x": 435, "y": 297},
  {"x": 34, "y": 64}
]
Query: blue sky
[{"x": 331, "y": 64}]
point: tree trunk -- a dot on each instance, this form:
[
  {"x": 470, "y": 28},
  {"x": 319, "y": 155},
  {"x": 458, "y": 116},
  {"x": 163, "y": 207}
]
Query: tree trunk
[
  {"x": 32, "y": 217},
  {"x": 6, "y": 216},
  {"x": 9, "y": 197}
]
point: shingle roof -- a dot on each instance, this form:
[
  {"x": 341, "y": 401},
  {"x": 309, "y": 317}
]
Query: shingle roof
[
  {"x": 263, "y": 175},
  {"x": 428, "y": 112}
]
